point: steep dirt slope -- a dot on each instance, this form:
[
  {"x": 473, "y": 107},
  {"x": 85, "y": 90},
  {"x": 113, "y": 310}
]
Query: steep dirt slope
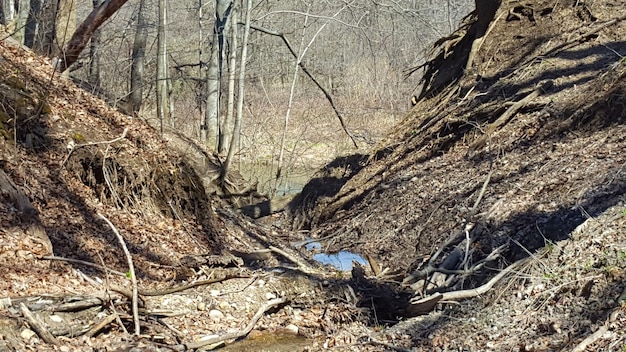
[
  {"x": 514, "y": 156},
  {"x": 73, "y": 175}
]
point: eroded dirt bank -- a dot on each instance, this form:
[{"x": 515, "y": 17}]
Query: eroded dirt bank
[{"x": 521, "y": 156}]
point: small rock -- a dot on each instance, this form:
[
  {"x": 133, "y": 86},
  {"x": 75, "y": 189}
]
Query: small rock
[
  {"x": 64, "y": 349},
  {"x": 27, "y": 334},
  {"x": 291, "y": 329},
  {"x": 269, "y": 295},
  {"x": 201, "y": 306},
  {"x": 55, "y": 318},
  {"x": 214, "y": 293},
  {"x": 224, "y": 305},
  {"x": 216, "y": 314}
]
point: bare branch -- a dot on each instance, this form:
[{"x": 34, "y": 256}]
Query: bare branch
[{"x": 131, "y": 269}]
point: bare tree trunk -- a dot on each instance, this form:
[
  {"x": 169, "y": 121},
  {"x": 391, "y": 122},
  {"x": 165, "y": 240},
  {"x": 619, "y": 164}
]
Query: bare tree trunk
[
  {"x": 214, "y": 74},
  {"x": 94, "y": 53},
  {"x": 139, "y": 60},
  {"x": 8, "y": 11},
  {"x": 86, "y": 29},
  {"x": 292, "y": 92},
  {"x": 486, "y": 11},
  {"x": 30, "y": 29},
  {"x": 162, "y": 67},
  {"x": 242, "y": 74},
  {"x": 65, "y": 24},
  {"x": 302, "y": 52},
  {"x": 228, "y": 126},
  {"x": 46, "y": 28}
]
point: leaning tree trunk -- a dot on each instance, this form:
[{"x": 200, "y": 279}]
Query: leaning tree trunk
[
  {"x": 139, "y": 59},
  {"x": 86, "y": 29},
  {"x": 94, "y": 53}
]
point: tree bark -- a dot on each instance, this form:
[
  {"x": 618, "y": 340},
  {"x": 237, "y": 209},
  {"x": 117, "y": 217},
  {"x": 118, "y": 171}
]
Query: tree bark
[
  {"x": 7, "y": 11},
  {"x": 86, "y": 29},
  {"x": 228, "y": 130},
  {"x": 31, "y": 23},
  {"x": 139, "y": 59},
  {"x": 94, "y": 53},
  {"x": 242, "y": 74},
  {"x": 162, "y": 67},
  {"x": 46, "y": 28},
  {"x": 211, "y": 124}
]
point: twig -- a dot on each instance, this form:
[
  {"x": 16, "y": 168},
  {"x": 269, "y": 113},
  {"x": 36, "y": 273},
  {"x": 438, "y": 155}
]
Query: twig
[
  {"x": 108, "y": 295},
  {"x": 175, "y": 289},
  {"x": 577, "y": 39},
  {"x": 241, "y": 333},
  {"x": 182, "y": 223},
  {"x": 37, "y": 325},
  {"x": 426, "y": 304},
  {"x": 302, "y": 266},
  {"x": 101, "y": 325},
  {"x": 72, "y": 147},
  {"x": 131, "y": 269},
  {"x": 582, "y": 346},
  {"x": 464, "y": 294},
  {"x": 482, "y": 190},
  {"x": 512, "y": 110},
  {"x": 77, "y": 261},
  {"x": 317, "y": 83}
]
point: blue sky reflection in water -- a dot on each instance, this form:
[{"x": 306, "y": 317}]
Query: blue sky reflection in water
[{"x": 342, "y": 260}]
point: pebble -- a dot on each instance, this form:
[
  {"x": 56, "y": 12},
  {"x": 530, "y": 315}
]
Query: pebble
[
  {"x": 201, "y": 306},
  {"x": 270, "y": 295},
  {"x": 27, "y": 334},
  {"x": 216, "y": 314},
  {"x": 291, "y": 329}
]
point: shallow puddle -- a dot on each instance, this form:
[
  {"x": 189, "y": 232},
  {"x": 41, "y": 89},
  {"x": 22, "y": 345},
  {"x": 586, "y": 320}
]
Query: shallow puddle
[
  {"x": 341, "y": 260},
  {"x": 271, "y": 342}
]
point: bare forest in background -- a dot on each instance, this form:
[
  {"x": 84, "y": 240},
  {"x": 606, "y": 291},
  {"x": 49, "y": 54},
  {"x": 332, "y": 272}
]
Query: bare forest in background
[{"x": 357, "y": 51}]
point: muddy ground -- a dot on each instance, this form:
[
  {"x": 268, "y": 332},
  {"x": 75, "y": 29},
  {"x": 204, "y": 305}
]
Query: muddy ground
[{"x": 505, "y": 183}]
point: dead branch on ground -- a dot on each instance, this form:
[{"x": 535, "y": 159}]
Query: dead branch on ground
[
  {"x": 512, "y": 110},
  {"x": 37, "y": 326},
  {"x": 180, "y": 288},
  {"x": 427, "y": 304},
  {"x": 101, "y": 325},
  {"x": 82, "y": 262},
  {"x": 237, "y": 334},
  {"x": 131, "y": 269}
]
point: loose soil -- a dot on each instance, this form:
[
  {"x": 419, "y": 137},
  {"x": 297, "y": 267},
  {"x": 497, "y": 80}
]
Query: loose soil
[{"x": 456, "y": 191}]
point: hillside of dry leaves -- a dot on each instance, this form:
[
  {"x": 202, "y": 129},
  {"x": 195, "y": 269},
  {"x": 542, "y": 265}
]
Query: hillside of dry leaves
[{"x": 515, "y": 166}]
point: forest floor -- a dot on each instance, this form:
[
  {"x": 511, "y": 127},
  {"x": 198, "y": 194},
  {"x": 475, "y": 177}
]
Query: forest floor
[{"x": 508, "y": 186}]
